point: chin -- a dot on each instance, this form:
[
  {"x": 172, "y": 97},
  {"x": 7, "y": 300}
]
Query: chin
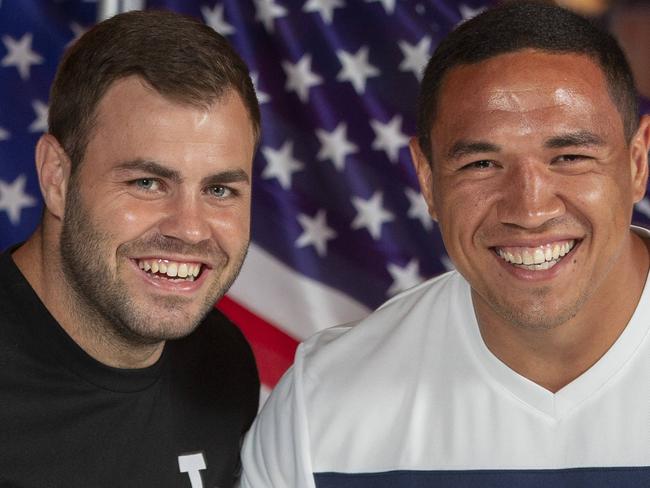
[{"x": 167, "y": 323}]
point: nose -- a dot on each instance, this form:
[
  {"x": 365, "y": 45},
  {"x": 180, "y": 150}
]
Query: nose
[
  {"x": 185, "y": 219},
  {"x": 530, "y": 196}
]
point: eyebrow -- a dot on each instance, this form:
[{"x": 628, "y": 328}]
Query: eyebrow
[
  {"x": 464, "y": 147},
  {"x": 151, "y": 167},
  {"x": 225, "y": 177},
  {"x": 579, "y": 138},
  {"x": 156, "y": 169}
]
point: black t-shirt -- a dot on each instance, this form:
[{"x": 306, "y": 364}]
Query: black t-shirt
[{"x": 67, "y": 420}]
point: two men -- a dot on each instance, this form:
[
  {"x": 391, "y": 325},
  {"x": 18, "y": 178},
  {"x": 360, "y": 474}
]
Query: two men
[
  {"x": 146, "y": 178},
  {"x": 530, "y": 364}
]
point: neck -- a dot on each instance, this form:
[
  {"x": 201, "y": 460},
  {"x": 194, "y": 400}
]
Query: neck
[
  {"x": 553, "y": 357},
  {"x": 39, "y": 261}
]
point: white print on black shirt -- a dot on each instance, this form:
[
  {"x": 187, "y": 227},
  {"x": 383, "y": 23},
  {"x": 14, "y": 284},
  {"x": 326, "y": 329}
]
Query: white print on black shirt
[{"x": 192, "y": 464}]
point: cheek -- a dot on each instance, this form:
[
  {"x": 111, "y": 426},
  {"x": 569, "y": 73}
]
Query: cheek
[
  {"x": 464, "y": 206},
  {"x": 231, "y": 226},
  {"x": 603, "y": 198},
  {"x": 127, "y": 221}
]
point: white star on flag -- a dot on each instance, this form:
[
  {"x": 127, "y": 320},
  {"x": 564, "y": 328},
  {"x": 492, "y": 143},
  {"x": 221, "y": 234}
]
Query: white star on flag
[
  {"x": 371, "y": 214},
  {"x": 13, "y": 198},
  {"x": 335, "y": 145},
  {"x": 300, "y": 77},
  {"x": 266, "y": 11},
  {"x": 324, "y": 7},
  {"x": 281, "y": 164},
  {"x": 262, "y": 97},
  {"x": 418, "y": 208},
  {"x": 356, "y": 68},
  {"x": 20, "y": 54},
  {"x": 467, "y": 12},
  {"x": 415, "y": 56},
  {"x": 214, "y": 18},
  {"x": 389, "y": 137},
  {"x": 389, "y": 5},
  {"x": 4, "y": 134},
  {"x": 40, "y": 123},
  {"x": 404, "y": 277},
  {"x": 315, "y": 232},
  {"x": 78, "y": 30}
]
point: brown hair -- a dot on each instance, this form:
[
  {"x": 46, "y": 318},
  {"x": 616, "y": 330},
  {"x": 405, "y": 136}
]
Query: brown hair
[{"x": 181, "y": 58}]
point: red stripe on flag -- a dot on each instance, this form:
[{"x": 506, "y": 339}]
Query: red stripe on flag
[{"x": 274, "y": 350}]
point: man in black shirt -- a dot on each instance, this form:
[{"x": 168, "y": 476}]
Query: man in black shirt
[{"x": 115, "y": 370}]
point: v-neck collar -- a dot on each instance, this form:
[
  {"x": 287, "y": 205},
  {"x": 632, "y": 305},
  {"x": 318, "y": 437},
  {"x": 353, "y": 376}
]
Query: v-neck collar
[{"x": 558, "y": 405}]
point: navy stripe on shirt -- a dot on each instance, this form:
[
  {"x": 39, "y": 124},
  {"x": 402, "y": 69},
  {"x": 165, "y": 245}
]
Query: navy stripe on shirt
[{"x": 615, "y": 477}]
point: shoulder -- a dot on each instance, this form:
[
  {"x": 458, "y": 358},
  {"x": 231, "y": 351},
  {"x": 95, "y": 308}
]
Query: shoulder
[
  {"x": 350, "y": 357},
  {"x": 423, "y": 306},
  {"x": 358, "y": 375}
]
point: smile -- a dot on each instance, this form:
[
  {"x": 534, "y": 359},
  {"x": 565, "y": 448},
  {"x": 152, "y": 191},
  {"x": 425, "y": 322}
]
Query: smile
[
  {"x": 536, "y": 258},
  {"x": 166, "y": 269}
]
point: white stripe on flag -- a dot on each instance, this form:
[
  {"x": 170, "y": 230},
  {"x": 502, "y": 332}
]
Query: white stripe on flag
[{"x": 297, "y": 304}]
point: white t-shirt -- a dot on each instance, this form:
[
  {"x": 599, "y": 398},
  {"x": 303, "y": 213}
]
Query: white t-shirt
[{"x": 412, "y": 397}]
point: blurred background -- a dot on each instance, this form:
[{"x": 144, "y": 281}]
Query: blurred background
[{"x": 338, "y": 222}]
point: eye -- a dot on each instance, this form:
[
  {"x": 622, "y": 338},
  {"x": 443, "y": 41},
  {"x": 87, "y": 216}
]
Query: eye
[
  {"x": 481, "y": 164},
  {"x": 147, "y": 184},
  {"x": 571, "y": 158},
  {"x": 220, "y": 191}
]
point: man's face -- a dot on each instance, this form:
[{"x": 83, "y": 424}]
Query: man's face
[
  {"x": 532, "y": 184},
  {"x": 157, "y": 217}
]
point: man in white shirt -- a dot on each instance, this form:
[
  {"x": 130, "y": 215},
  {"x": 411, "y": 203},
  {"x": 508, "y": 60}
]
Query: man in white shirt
[{"x": 529, "y": 365}]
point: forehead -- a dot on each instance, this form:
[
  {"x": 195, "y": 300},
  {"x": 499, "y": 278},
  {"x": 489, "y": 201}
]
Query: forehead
[
  {"x": 526, "y": 87},
  {"x": 135, "y": 121}
]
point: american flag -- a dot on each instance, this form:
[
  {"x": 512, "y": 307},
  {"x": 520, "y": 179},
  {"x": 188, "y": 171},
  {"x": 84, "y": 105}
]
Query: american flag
[{"x": 338, "y": 222}]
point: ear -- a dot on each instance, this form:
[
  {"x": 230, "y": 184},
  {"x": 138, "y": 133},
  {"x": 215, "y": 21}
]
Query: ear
[
  {"x": 53, "y": 168},
  {"x": 639, "y": 148},
  {"x": 425, "y": 175}
]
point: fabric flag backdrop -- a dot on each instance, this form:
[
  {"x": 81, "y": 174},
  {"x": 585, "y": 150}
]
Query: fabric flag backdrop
[{"x": 339, "y": 224}]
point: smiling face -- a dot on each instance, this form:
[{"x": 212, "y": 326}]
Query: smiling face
[
  {"x": 157, "y": 216},
  {"x": 532, "y": 183}
]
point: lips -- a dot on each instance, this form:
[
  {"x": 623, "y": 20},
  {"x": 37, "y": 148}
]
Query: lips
[{"x": 536, "y": 258}]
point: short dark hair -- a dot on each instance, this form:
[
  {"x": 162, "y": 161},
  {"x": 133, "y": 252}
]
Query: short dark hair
[
  {"x": 181, "y": 58},
  {"x": 527, "y": 25}
]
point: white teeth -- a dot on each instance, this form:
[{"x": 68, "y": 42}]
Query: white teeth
[
  {"x": 187, "y": 271},
  {"x": 539, "y": 258},
  {"x": 556, "y": 251},
  {"x": 527, "y": 258},
  {"x": 548, "y": 254}
]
